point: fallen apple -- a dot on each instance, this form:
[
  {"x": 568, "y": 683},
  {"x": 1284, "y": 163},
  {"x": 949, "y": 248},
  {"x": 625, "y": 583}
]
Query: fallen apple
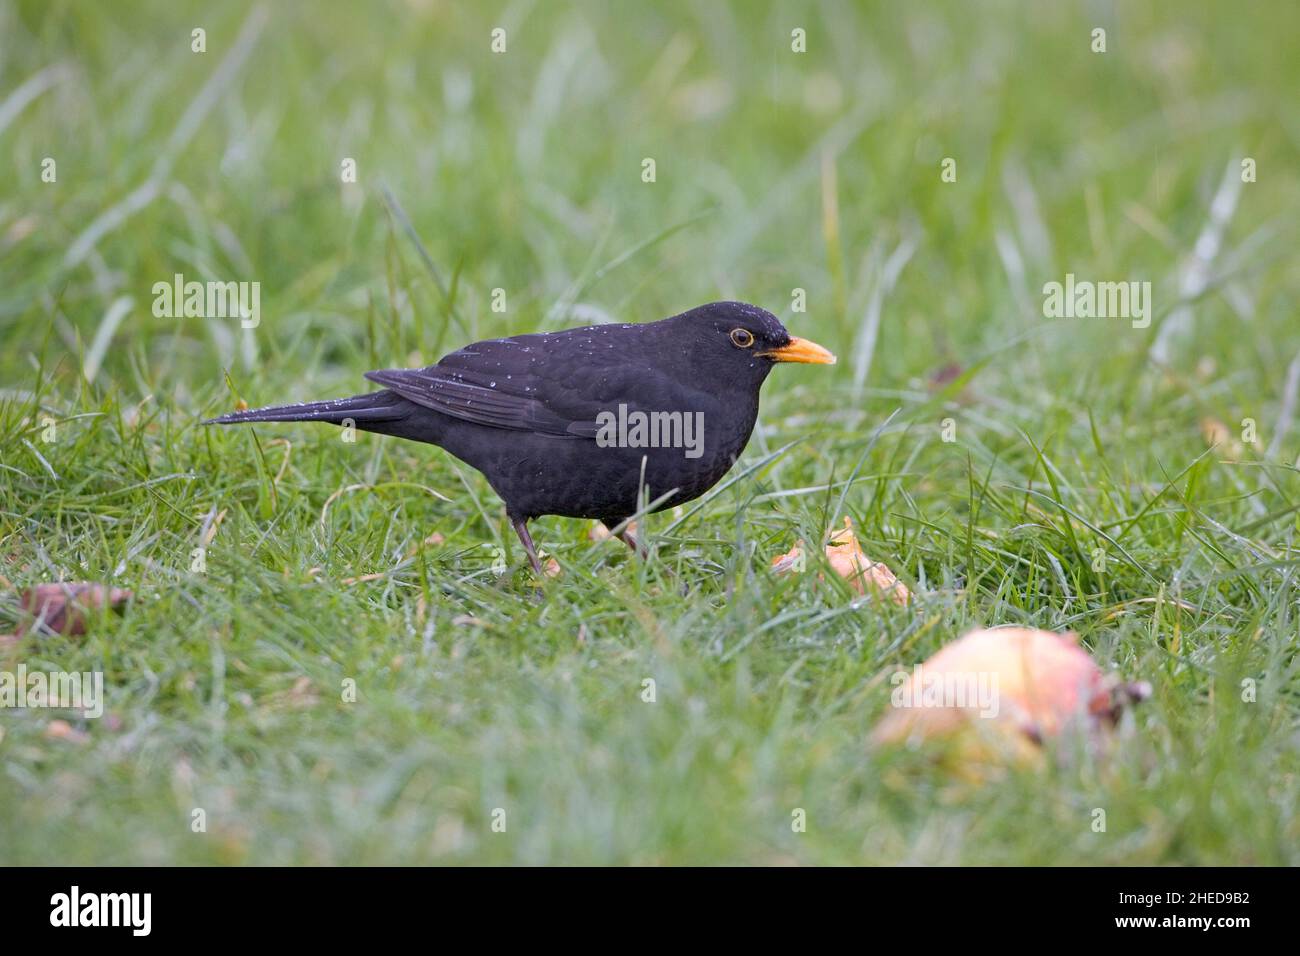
[{"x": 1004, "y": 688}]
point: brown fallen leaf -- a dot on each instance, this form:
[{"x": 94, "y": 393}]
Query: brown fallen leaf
[
  {"x": 434, "y": 540},
  {"x": 792, "y": 560},
  {"x": 938, "y": 380},
  {"x": 599, "y": 532},
  {"x": 20, "y": 230},
  {"x": 944, "y": 375},
  {"x": 1218, "y": 435},
  {"x": 62, "y": 730},
  {"x": 210, "y": 526},
  {"x": 301, "y": 695},
  {"x": 61, "y": 608},
  {"x": 1214, "y": 431},
  {"x": 372, "y": 576},
  {"x": 1003, "y": 691},
  {"x": 848, "y": 560}
]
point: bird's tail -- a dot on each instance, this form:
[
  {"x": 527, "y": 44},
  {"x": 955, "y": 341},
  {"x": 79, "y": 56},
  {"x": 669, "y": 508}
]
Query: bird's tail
[{"x": 363, "y": 410}]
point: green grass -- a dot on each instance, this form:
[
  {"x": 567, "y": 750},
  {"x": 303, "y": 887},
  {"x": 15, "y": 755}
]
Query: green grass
[{"x": 522, "y": 171}]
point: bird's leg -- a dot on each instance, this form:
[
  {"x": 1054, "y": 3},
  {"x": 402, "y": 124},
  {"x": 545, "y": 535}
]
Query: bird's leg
[
  {"x": 521, "y": 528},
  {"x": 639, "y": 548},
  {"x": 629, "y": 539}
]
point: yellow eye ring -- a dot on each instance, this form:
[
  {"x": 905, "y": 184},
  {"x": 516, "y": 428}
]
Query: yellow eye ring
[{"x": 742, "y": 338}]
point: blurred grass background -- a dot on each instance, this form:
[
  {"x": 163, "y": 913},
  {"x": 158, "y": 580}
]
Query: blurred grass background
[{"x": 522, "y": 171}]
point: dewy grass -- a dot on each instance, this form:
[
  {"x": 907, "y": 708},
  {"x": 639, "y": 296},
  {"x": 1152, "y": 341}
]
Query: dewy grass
[{"x": 336, "y": 654}]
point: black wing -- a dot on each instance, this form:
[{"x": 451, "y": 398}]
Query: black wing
[{"x": 550, "y": 384}]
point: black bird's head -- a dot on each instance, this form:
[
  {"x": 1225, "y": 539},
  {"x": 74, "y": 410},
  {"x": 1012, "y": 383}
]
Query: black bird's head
[{"x": 734, "y": 342}]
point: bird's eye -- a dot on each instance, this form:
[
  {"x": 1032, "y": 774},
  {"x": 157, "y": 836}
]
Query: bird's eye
[{"x": 742, "y": 338}]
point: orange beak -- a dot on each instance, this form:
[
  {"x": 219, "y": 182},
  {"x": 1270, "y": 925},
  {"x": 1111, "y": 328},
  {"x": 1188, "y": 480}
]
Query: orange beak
[{"x": 801, "y": 350}]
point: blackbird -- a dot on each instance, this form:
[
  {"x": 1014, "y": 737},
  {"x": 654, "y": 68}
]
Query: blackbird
[{"x": 593, "y": 422}]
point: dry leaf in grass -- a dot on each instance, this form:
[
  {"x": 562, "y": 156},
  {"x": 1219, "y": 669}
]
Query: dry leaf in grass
[
  {"x": 211, "y": 524},
  {"x": 943, "y": 376},
  {"x": 372, "y": 576},
  {"x": 551, "y": 567},
  {"x": 1218, "y": 435},
  {"x": 599, "y": 532},
  {"x": 62, "y": 608},
  {"x": 1003, "y": 691},
  {"x": 939, "y": 379},
  {"x": 1214, "y": 431},
  {"x": 847, "y": 558},
  {"x": 298, "y": 697},
  {"x": 21, "y": 229},
  {"x": 433, "y": 541},
  {"x": 62, "y": 730},
  {"x": 792, "y": 560}
]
